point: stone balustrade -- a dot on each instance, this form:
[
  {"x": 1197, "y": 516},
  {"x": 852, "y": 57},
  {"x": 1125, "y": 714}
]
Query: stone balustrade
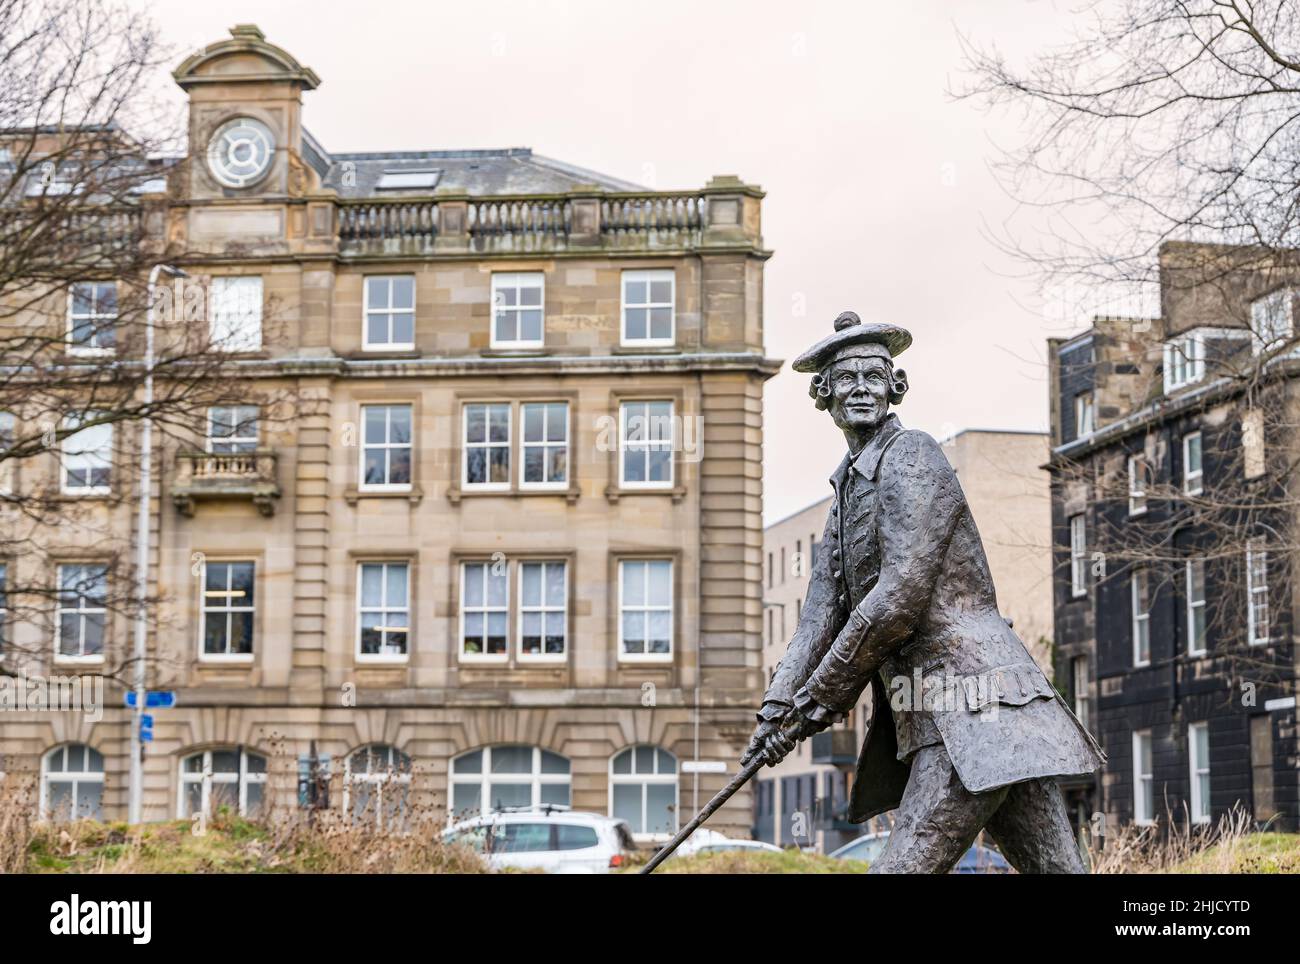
[
  {"x": 388, "y": 226},
  {"x": 527, "y": 224},
  {"x": 678, "y": 216},
  {"x": 724, "y": 213},
  {"x": 84, "y": 229},
  {"x": 225, "y": 475}
]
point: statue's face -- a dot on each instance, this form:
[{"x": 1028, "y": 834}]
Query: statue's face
[{"x": 859, "y": 398}]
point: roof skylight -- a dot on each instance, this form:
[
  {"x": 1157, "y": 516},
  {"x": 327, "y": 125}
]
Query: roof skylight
[{"x": 407, "y": 180}]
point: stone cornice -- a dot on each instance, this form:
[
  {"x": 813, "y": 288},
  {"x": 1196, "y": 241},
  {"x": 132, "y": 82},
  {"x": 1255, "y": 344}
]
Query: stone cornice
[
  {"x": 196, "y": 260},
  {"x": 687, "y": 362},
  {"x": 332, "y": 366},
  {"x": 521, "y": 697}
]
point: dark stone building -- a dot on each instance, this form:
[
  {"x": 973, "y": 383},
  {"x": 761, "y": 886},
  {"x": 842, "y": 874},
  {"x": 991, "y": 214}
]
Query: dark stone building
[{"x": 1173, "y": 456}]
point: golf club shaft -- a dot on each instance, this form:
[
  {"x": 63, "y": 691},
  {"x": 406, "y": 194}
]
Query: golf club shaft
[{"x": 721, "y": 797}]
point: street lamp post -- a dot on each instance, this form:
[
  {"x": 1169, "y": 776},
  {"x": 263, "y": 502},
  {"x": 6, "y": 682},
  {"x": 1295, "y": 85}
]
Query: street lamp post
[{"x": 135, "y": 807}]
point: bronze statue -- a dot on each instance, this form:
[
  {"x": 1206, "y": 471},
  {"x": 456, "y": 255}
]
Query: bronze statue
[{"x": 966, "y": 732}]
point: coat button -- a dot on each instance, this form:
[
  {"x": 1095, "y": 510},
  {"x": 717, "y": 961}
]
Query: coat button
[
  {"x": 835, "y": 574},
  {"x": 835, "y": 553},
  {"x": 843, "y": 600}
]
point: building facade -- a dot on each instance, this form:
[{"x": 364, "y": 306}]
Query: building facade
[
  {"x": 801, "y": 801},
  {"x": 504, "y": 548},
  {"x": 1171, "y": 444}
]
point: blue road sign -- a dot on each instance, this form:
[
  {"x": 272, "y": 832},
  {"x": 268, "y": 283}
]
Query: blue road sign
[
  {"x": 154, "y": 699},
  {"x": 146, "y": 720}
]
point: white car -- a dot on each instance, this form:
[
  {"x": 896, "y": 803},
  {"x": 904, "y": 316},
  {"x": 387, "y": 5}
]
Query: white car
[
  {"x": 705, "y": 841},
  {"x": 552, "y": 839}
]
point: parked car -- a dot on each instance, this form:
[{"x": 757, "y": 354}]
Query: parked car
[
  {"x": 705, "y": 841},
  {"x": 550, "y": 838},
  {"x": 721, "y": 845},
  {"x": 977, "y": 860}
]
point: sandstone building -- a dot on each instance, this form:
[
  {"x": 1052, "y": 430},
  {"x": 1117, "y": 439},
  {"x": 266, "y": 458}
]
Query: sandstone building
[{"x": 507, "y": 548}]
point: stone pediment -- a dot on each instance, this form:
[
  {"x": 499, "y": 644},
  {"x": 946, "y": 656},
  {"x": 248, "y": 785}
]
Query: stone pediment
[{"x": 245, "y": 58}]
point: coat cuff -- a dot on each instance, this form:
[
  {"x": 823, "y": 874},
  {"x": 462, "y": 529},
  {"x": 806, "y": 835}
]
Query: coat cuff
[
  {"x": 814, "y": 711},
  {"x": 772, "y": 710}
]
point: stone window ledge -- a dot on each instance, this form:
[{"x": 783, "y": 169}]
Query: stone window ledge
[
  {"x": 614, "y": 493},
  {"x": 353, "y": 494},
  {"x": 455, "y": 494}
]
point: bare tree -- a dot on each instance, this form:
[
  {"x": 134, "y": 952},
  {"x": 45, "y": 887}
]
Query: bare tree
[
  {"x": 1161, "y": 161},
  {"x": 1170, "y": 119},
  {"x": 86, "y": 316}
]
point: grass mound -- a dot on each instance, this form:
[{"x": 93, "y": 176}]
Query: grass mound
[
  {"x": 233, "y": 845},
  {"x": 1259, "y": 853},
  {"x": 759, "y": 862}
]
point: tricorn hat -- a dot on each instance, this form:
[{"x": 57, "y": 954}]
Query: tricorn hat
[{"x": 884, "y": 340}]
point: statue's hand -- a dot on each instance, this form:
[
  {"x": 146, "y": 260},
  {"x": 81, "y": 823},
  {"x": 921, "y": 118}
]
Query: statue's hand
[
  {"x": 759, "y": 740},
  {"x": 773, "y": 740}
]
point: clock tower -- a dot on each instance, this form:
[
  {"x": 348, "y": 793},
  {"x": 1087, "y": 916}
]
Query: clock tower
[
  {"x": 246, "y": 184},
  {"x": 245, "y": 128}
]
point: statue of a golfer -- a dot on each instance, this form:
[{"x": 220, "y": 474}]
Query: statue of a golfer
[{"x": 966, "y": 732}]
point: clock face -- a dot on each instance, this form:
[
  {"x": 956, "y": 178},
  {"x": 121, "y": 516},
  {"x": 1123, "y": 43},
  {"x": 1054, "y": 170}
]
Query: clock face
[{"x": 239, "y": 153}]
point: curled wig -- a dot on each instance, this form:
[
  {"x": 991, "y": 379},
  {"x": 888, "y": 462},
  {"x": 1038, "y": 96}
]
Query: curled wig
[{"x": 820, "y": 387}]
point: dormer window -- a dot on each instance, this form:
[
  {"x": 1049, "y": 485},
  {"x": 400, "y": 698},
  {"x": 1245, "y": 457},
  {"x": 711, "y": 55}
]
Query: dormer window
[
  {"x": 1184, "y": 361},
  {"x": 1084, "y": 422},
  {"x": 1271, "y": 320}
]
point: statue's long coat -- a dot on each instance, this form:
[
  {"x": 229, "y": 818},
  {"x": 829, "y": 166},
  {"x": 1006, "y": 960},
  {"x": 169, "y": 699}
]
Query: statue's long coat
[{"x": 900, "y": 546}]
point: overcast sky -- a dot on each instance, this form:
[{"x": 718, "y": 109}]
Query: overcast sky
[{"x": 877, "y": 181}]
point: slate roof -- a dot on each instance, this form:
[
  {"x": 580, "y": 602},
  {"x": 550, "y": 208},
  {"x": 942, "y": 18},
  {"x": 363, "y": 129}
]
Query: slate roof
[{"x": 512, "y": 170}]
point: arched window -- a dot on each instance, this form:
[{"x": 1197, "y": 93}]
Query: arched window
[
  {"x": 497, "y": 777},
  {"x": 72, "y": 783},
  {"x": 643, "y": 789},
  {"x": 222, "y": 777},
  {"x": 377, "y": 785}
]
